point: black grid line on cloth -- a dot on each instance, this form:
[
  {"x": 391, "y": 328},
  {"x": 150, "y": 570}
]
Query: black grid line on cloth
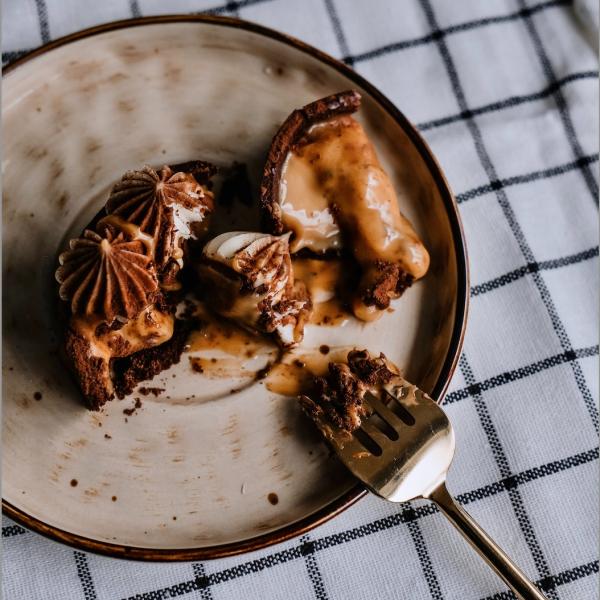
[
  {"x": 544, "y": 265},
  {"x": 202, "y": 581},
  {"x": 501, "y": 460},
  {"x": 374, "y": 527},
  {"x": 509, "y": 214},
  {"x": 510, "y": 102},
  {"x": 410, "y": 517},
  {"x": 498, "y": 184},
  {"x": 465, "y": 498},
  {"x": 521, "y": 373},
  {"x": 234, "y": 6},
  {"x": 11, "y": 530},
  {"x": 42, "y": 13},
  {"x": 253, "y": 566},
  {"x": 12, "y": 55},
  {"x": 85, "y": 576},
  {"x": 307, "y": 550},
  {"x": 564, "y": 577},
  {"x": 230, "y": 7},
  {"x": 134, "y": 8},
  {"x": 561, "y": 102},
  {"x": 340, "y": 36},
  {"x": 551, "y": 468},
  {"x": 460, "y": 27}
]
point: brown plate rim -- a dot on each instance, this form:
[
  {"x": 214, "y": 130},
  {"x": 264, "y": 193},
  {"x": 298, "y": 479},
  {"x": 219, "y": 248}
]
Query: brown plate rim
[{"x": 356, "y": 493}]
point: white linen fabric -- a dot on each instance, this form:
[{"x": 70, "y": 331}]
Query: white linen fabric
[{"x": 506, "y": 94}]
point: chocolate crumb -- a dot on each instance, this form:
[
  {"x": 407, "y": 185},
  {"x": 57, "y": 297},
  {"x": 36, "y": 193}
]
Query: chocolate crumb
[
  {"x": 262, "y": 373},
  {"x": 196, "y": 365},
  {"x": 174, "y": 518},
  {"x": 339, "y": 394},
  {"x": 273, "y": 498},
  {"x": 114, "y": 498},
  {"x": 145, "y": 391},
  {"x": 108, "y": 437},
  {"x": 130, "y": 411},
  {"x": 324, "y": 349},
  {"x": 37, "y": 396},
  {"x": 74, "y": 482}
]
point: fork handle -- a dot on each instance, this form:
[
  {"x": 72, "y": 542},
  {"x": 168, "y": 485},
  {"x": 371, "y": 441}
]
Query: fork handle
[{"x": 516, "y": 580}]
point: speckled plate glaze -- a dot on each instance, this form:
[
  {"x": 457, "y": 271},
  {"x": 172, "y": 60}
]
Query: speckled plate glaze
[{"x": 184, "y": 479}]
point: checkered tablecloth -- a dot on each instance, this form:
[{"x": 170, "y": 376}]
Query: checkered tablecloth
[{"x": 506, "y": 93}]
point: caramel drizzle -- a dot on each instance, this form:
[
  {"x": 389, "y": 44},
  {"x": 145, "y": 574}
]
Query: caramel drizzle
[{"x": 130, "y": 229}]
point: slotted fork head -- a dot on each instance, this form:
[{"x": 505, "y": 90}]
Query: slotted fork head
[{"x": 403, "y": 449}]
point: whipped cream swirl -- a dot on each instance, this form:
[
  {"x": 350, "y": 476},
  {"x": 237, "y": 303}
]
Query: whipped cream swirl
[{"x": 268, "y": 299}]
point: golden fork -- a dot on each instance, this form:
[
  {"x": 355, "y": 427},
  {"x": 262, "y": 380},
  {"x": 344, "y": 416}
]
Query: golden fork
[{"x": 403, "y": 451}]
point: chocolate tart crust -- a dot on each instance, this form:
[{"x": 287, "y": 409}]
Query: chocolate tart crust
[{"x": 290, "y": 132}]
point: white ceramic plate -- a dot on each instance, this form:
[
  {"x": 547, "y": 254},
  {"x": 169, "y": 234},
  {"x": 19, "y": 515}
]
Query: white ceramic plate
[{"x": 187, "y": 476}]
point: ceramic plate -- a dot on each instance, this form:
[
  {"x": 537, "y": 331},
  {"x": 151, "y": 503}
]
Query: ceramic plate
[{"x": 196, "y": 471}]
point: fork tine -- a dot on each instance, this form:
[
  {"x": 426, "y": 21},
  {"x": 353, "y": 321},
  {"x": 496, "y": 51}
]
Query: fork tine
[
  {"x": 386, "y": 413},
  {"x": 380, "y": 439}
]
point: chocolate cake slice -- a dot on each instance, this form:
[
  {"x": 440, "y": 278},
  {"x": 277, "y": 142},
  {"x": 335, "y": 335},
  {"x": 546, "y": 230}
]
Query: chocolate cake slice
[
  {"x": 119, "y": 280},
  {"x": 323, "y": 182},
  {"x": 248, "y": 277},
  {"x": 339, "y": 395}
]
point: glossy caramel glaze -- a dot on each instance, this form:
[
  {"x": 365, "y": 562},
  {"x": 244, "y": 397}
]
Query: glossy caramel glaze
[
  {"x": 218, "y": 334},
  {"x": 328, "y": 283},
  {"x": 150, "y": 328},
  {"x": 332, "y": 185},
  {"x": 294, "y": 375}
]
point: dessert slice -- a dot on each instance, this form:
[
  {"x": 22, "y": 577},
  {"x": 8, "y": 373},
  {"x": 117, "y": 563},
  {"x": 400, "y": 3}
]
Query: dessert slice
[
  {"x": 324, "y": 183},
  {"x": 248, "y": 277},
  {"x": 119, "y": 280},
  {"x": 339, "y": 395}
]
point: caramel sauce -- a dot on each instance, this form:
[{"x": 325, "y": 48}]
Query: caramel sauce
[
  {"x": 219, "y": 368},
  {"x": 310, "y": 219},
  {"x": 150, "y": 328},
  {"x": 336, "y": 170},
  {"x": 320, "y": 277},
  {"x": 218, "y": 334},
  {"x": 132, "y": 230},
  {"x": 227, "y": 349},
  {"x": 294, "y": 375},
  {"x": 326, "y": 281},
  {"x": 332, "y": 313}
]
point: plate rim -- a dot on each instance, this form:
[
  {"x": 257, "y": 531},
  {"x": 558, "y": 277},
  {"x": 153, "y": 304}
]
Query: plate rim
[{"x": 456, "y": 340}]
